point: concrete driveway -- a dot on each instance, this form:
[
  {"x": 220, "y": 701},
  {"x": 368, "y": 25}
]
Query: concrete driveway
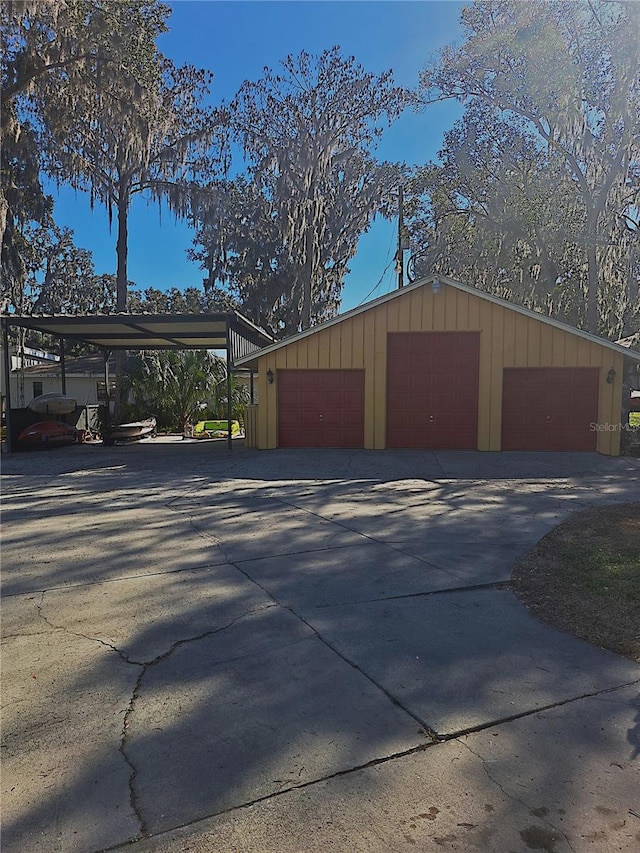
[{"x": 207, "y": 650}]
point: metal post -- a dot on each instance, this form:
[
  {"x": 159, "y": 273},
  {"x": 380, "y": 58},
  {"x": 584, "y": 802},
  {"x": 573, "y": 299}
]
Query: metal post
[
  {"x": 400, "y": 258},
  {"x": 229, "y": 363},
  {"x": 106, "y": 355},
  {"x": 6, "y": 368},
  {"x": 63, "y": 367}
]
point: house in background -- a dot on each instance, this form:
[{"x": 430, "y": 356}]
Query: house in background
[
  {"x": 85, "y": 379},
  {"x": 30, "y": 355},
  {"x": 440, "y": 365}
]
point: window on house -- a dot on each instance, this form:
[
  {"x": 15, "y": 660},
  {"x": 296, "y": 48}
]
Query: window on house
[
  {"x": 101, "y": 390},
  {"x": 37, "y": 389}
]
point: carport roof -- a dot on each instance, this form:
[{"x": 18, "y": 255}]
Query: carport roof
[{"x": 230, "y": 331}]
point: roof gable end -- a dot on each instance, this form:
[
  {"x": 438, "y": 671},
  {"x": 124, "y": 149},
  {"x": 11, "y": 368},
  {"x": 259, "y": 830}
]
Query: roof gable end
[{"x": 444, "y": 279}]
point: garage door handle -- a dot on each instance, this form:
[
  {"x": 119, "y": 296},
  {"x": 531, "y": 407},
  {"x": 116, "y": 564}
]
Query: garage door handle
[{"x": 321, "y": 417}]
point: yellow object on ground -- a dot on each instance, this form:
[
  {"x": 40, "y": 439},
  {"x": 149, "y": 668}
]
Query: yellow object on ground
[{"x": 215, "y": 429}]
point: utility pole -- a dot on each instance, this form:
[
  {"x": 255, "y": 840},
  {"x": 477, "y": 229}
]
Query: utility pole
[{"x": 400, "y": 254}]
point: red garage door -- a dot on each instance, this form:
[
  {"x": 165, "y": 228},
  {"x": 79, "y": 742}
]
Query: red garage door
[
  {"x": 549, "y": 408},
  {"x": 320, "y": 408},
  {"x": 432, "y": 389}
]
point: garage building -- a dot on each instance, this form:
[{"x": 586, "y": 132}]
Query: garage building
[{"x": 440, "y": 365}]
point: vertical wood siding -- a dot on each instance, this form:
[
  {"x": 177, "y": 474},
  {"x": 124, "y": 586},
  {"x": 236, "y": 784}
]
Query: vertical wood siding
[{"x": 507, "y": 339}]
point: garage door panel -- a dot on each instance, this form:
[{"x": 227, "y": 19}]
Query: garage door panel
[
  {"x": 320, "y": 408},
  {"x": 550, "y": 408},
  {"x": 432, "y": 389}
]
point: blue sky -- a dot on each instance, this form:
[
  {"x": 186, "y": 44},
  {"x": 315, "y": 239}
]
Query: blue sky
[{"x": 236, "y": 40}]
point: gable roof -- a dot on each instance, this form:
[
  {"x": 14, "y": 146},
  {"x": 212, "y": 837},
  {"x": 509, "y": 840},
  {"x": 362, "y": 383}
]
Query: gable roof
[{"x": 465, "y": 288}]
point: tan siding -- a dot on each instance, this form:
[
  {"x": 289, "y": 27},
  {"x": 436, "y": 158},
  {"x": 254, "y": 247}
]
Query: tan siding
[
  {"x": 380, "y": 377},
  {"x": 380, "y": 400},
  {"x": 250, "y": 426},
  {"x": 533, "y": 343},
  {"x": 380, "y": 326},
  {"x": 546, "y": 352},
  {"x": 484, "y": 395},
  {"x": 450, "y": 309},
  {"x": 609, "y": 411},
  {"x": 497, "y": 343},
  {"x": 323, "y": 349},
  {"x": 522, "y": 340},
  {"x": 346, "y": 344},
  {"x": 474, "y": 312},
  {"x": 303, "y": 354},
  {"x": 393, "y": 314},
  {"x": 313, "y": 348},
  {"x": 584, "y": 352},
  {"x": 462, "y": 311},
  {"x": 509, "y": 338},
  {"x": 369, "y": 379},
  {"x": 596, "y": 355},
  {"x": 416, "y": 302},
  {"x": 358, "y": 341},
  {"x": 570, "y": 350},
  {"x": 438, "y": 309},
  {"x": 427, "y": 309},
  {"x": 557, "y": 346},
  {"x": 335, "y": 346},
  {"x": 404, "y": 318}
]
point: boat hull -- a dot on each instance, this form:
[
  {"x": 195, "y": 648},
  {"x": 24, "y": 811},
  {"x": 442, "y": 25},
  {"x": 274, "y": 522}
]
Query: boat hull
[
  {"x": 53, "y": 404},
  {"x": 133, "y": 431},
  {"x": 45, "y": 434}
]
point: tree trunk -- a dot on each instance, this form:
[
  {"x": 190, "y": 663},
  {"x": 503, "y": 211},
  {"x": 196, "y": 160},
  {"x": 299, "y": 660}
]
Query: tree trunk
[
  {"x": 592, "y": 278},
  {"x": 121, "y": 294},
  {"x": 122, "y": 251},
  {"x": 307, "y": 278}
]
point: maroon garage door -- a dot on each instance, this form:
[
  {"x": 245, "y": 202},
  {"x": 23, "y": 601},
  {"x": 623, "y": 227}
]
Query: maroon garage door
[
  {"x": 549, "y": 408},
  {"x": 432, "y": 389},
  {"x": 320, "y": 408}
]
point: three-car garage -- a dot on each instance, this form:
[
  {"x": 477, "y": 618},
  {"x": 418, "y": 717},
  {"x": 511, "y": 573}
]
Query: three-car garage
[{"x": 441, "y": 365}]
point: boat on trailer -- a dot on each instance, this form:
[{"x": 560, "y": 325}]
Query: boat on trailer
[{"x": 133, "y": 431}]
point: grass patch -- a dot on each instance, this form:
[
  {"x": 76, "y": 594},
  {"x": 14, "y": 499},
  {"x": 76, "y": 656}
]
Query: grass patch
[
  {"x": 584, "y": 577},
  {"x": 634, "y": 419}
]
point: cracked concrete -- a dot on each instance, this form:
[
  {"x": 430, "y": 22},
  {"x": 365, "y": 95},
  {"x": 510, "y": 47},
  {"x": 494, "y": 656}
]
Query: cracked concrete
[{"x": 286, "y": 651}]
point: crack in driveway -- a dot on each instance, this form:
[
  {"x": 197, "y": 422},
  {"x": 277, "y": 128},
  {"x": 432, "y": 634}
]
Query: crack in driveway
[
  {"x": 144, "y": 668},
  {"x": 513, "y": 797}
]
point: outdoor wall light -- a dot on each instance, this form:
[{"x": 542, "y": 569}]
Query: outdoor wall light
[
  {"x": 611, "y": 375},
  {"x": 270, "y": 376},
  {"x": 435, "y": 285}
]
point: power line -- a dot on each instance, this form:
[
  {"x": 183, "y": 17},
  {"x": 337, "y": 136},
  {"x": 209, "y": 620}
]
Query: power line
[{"x": 379, "y": 282}]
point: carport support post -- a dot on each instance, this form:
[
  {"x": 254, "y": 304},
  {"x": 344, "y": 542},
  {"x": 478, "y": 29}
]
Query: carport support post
[
  {"x": 229, "y": 361},
  {"x": 106, "y": 354},
  {"x": 63, "y": 367},
  {"x": 6, "y": 369}
]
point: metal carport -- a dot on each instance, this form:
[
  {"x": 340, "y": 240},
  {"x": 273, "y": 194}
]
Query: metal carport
[{"x": 230, "y": 331}]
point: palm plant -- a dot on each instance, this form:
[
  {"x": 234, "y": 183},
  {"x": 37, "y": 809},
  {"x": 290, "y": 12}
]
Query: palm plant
[{"x": 173, "y": 384}]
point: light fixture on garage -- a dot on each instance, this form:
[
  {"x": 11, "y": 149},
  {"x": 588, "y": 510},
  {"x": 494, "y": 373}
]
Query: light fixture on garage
[
  {"x": 270, "y": 376},
  {"x": 611, "y": 375},
  {"x": 435, "y": 285}
]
